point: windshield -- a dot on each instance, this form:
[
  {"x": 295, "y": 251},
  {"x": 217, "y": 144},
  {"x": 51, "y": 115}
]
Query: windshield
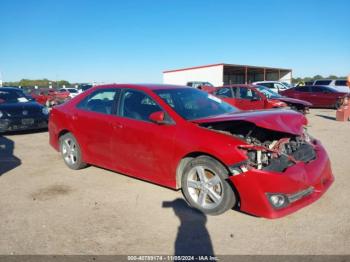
[
  {"x": 72, "y": 90},
  {"x": 12, "y": 96},
  {"x": 268, "y": 92},
  {"x": 287, "y": 84},
  {"x": 193, "y": 103}
]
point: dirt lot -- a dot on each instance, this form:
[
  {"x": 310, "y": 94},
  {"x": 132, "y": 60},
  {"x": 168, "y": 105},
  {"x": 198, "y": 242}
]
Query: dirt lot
[{"x": 45, "y": 208}]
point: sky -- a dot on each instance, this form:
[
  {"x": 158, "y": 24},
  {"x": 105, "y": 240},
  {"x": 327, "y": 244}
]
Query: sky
[{"x": 136, "y": 40}]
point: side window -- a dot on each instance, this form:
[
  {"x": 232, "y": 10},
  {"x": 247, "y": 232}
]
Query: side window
[
  {"x": 137, "y": 105},
  {"x": 340, "y": 83},
  {"x": 100, "y": 101},
  {"x": 316, "y": 89},
  {"x": 302, "y": 89},
  {"x": 224, "y": 92},
  {"x": 246, "y": 93}
]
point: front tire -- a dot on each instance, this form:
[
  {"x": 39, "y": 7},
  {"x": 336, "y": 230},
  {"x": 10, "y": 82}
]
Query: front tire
[
  {"x": 205, "y": 186},
  {"x": 71, "y": 153}
]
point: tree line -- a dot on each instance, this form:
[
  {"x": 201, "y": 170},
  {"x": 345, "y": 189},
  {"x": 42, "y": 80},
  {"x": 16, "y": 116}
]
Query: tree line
[
  {"x": 39, "y": 83},
  {"x": 316, "y": 77},
  {"x": 46, "y": 82}
]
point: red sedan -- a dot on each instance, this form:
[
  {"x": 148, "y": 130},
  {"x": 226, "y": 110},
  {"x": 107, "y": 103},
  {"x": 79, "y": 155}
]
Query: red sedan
[
  {"x": 262, "y": 162},
  {"x": 49, "y": 97},
  {"x": 318, "y": 96},
  {"x": 253, "y": 97}
]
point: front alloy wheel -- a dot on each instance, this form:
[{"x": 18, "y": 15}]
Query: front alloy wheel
[{"x": 205, "y": 186}]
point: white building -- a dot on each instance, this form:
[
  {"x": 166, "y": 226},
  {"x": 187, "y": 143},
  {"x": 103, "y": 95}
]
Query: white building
[{"x": 224, "y": 74}]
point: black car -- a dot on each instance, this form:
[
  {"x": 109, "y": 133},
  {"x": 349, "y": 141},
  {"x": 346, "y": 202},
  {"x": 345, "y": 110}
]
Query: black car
[{"x": 20, "y": 112}]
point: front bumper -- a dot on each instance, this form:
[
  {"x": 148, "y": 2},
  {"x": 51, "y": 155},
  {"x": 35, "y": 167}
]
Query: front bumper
[
  {"x": 20, "y": 124},
  {"x": 254, "y": 184}
]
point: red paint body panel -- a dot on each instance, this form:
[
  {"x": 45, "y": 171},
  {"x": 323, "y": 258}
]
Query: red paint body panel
[
  {"x": 287, "y": 121},
  {"x": 153, "y": 152}
]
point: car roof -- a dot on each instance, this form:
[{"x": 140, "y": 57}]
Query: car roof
[
  {"x": 240, "y": 85},
  {"x": 267, "y": 82},
  {"x": 143, "y": 86}
]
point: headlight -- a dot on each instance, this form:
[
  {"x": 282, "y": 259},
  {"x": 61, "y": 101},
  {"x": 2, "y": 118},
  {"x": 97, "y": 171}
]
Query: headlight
[
  {"x": 45, "y": 111},
  {"x": 1, "y": 114},
  {"x": 307, "y": 137}
]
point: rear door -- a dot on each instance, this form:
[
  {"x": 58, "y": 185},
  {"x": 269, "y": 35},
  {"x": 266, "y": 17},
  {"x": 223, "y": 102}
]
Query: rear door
[
  {"x": 93, "y": 128},
  {"x": 323, "y": 97},
  {"x": 301, "y": 92}
]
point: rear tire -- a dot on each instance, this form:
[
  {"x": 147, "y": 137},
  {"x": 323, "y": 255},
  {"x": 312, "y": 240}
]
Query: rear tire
[
  {"x": 205, "y": 186},
  {"x": 71, "y": 153}
]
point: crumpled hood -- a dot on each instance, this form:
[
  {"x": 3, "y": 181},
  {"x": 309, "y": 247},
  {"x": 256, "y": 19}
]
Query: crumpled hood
[
  {"x": 281, "y": 120},
  {"x": 294, "y": 101}
]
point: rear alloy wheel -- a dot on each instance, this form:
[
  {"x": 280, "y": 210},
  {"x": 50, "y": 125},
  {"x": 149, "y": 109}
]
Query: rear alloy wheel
[
  {"x": 205, "y": 186},
  {"x": 71, "y": 152}
]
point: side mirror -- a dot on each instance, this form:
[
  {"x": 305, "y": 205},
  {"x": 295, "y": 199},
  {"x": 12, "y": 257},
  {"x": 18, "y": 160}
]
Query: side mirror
[{"x": 157, "y": 117}]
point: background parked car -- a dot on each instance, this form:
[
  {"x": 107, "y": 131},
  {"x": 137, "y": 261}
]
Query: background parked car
[
  {"x": 17, "y": 112},
  {"x": 253, "y": 97},
  {"x": 318, "y": 96},
  {"x": 339, "y": 84},
  {"x": 73, "y": 92},
  {"x": 275, "y": 86},
  {"x": 84, "y": 87},
  {"x": 205, "y": 86},
  {"x": 49, "y": 97}
]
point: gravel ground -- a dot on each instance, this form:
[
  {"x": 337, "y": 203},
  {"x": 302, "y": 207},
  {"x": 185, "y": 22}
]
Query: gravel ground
[{"x": 46, "y": 208}]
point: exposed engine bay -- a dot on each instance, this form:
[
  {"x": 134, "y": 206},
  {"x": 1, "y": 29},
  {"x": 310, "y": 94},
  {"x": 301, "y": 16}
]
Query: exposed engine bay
[{"x": 267, "y": 149}]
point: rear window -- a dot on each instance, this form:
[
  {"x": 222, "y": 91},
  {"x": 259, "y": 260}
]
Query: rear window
[
  {"x": 340, "y": 82},
  {"x": 323, "y": 82}
]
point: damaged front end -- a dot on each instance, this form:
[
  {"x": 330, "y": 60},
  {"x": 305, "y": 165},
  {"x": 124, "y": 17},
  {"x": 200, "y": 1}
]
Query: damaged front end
[
  {"x": 283, "y": 171},
  {"x": 267, "y": 149}
]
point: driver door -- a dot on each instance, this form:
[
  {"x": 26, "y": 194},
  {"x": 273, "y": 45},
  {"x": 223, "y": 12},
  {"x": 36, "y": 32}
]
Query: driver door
[{"x": 140, "y": 147}]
